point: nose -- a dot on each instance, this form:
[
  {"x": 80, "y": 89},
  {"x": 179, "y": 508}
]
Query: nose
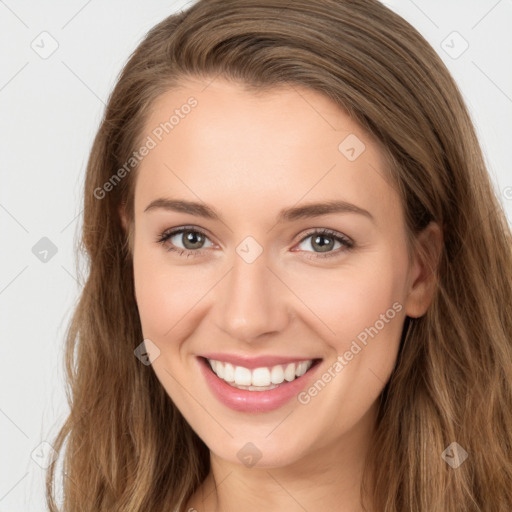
[{"x": 252, "y": 301}]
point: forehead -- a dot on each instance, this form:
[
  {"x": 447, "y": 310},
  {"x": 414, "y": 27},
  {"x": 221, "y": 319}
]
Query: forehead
[{"x": 223, "y": 144}]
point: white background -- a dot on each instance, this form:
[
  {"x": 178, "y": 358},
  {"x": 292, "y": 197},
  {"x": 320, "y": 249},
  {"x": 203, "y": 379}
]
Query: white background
[{"x": 50, "y": 110}]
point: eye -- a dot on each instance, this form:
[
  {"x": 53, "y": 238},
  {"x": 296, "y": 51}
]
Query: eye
[
  {"x": 325, "y": 240},
  {"x": 192, "y": 239}
]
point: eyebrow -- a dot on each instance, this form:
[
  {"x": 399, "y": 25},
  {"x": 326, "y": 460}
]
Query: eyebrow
[{"x": 285, "y": 215}]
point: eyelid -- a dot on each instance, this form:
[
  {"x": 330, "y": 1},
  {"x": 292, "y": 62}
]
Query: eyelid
[{"x": 329, "y": 232}]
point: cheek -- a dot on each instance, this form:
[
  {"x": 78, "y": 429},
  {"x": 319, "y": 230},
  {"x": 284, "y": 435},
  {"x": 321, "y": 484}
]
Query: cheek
[
  {"x": 363, "y": 309},
  {"x": 352, "y": 298},
  {"x": 370, "y": 324},
  {"x": 156, "y": 292},
  {"x": 168, "y": 295}
]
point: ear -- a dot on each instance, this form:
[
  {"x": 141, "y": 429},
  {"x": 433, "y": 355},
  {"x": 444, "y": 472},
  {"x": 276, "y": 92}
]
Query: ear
[
  {"x": 428, "y": 249},
  {"x": 128, "y": 232},
  {"x": 124, "y": 218}
]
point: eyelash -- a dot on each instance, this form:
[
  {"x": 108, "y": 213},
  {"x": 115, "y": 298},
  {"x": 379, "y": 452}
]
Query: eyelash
[{"x": 346, "y": 242}]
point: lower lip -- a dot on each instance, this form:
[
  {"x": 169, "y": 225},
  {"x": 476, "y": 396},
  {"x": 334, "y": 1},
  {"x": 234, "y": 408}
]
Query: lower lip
[{"x": 254, "y": 401}]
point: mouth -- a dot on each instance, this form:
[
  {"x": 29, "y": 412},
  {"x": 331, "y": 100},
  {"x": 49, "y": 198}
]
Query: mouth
[
  {"x": 258, "y": 389},
  {"x": 264, "y": 378}
]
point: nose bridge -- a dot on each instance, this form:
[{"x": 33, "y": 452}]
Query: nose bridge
[{"x": 252, "y": 302}]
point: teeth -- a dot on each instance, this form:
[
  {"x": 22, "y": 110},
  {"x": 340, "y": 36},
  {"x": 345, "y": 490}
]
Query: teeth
[
  {"x": 302, "y": 368},
  {"x": 259, "y": 379},
  {"x": 242, "y": 376},
  {"x": 277, "y": 374},
  {"x": 219, "y": 369},
  {"x": 229, "y": 371},
  {"x": 289, "y": 373}
]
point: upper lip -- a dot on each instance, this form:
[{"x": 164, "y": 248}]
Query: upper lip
[{"x": 256, "y": 362}]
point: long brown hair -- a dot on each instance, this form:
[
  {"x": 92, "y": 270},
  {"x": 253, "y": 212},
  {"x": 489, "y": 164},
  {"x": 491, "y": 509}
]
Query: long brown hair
[{"x": 125, "y": 446}]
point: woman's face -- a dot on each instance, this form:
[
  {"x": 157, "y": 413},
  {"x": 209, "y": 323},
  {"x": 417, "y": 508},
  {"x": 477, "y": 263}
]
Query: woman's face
[{"x": 253, "y": 282}]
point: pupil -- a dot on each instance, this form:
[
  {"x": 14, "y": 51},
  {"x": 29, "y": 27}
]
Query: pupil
[
  {"x": 192, "y": 238},
  {"x": 323, "y": 247}
]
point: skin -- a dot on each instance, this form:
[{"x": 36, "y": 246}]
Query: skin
[{"x": 249, "y": 156}]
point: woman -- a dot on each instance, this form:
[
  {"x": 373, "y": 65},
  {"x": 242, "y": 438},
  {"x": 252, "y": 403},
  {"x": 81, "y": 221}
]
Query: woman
[{"x": 299, "y": 289}]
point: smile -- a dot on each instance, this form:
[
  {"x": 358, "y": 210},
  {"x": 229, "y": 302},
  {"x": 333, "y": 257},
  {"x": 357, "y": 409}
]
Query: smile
[
  {"x": 259, "y": 379},
  {"x": 260, "y": 388}
]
